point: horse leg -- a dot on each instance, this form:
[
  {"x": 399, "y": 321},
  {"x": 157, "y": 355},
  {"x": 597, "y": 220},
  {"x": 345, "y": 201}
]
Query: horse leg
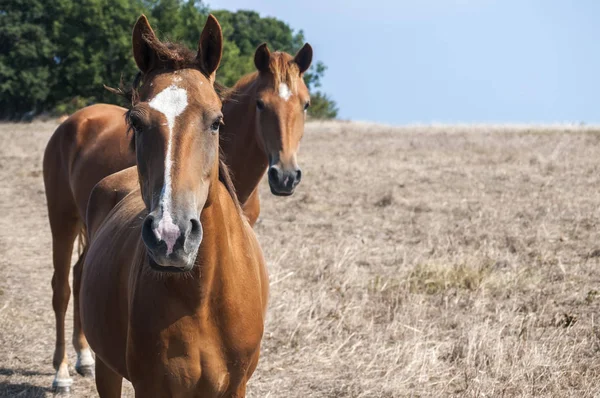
[
  {"x": 64, "y": 231},
  {"x": 239, "y": 392},
  {"x": 108, "y": 383},
  {"x": 251, "y": 207},
  {"x": 85, "y": 360}
]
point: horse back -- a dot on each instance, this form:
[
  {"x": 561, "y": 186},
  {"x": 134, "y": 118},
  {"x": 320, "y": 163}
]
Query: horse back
[{"x": 90, "y": 145}]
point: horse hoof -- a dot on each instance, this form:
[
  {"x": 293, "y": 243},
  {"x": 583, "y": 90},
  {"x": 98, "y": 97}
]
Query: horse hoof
[
  {"x": 62, "y": 391},
  {"x": 86, "y": 370},
  {"x": 62, "y": 387}
]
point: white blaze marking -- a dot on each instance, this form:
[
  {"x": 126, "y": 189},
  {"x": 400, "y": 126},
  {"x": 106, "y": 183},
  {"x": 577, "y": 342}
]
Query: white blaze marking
[
  {"x": 284, "y": 91},
  {"x": 171, "y": 102}
]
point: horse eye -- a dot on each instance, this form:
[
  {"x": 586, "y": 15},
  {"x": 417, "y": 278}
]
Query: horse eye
[
  {"x": 260, "y": 105},
  {"x": 215, "y": 126},
  {"x": 307, "y": 105}
]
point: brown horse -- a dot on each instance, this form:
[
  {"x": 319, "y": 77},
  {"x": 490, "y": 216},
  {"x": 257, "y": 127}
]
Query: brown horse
[
  {"x": 264, "y": 117},
  {"x": 265, "y": 122},
  {"x": 174, "y": 286}
]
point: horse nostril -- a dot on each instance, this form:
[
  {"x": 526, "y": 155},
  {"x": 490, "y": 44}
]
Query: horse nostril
[
  {"x": 148, "y": 232},
  {"x": 195, "y": 226},
  {"x": 193, "y": 236},
  {"x": 273, "y": 174},
  {"x": 148, "y": 223},
  {"x": 298, "y": 175}
]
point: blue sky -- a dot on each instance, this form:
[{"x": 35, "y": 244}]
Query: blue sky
[{"x": 452, "y": 61}]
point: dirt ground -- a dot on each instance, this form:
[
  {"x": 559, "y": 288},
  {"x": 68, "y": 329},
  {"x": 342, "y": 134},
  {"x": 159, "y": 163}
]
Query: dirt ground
[{"x": 416, "y": 261}]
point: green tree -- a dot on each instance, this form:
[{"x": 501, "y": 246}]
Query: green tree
[
  {"x": 58, "y": 54},
  {"x": 26, "y": 57},
  {"x": 322, "y": 107},
  {"x": 166, "y": 16},
  {"x": 93, "y": 40}
]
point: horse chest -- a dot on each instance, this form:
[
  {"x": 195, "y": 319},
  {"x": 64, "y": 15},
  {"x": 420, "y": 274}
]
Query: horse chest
[{"x": 186, "y": 359}]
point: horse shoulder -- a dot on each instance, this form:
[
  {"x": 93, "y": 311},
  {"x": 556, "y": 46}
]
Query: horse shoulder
[{"x": 111, "y": 259}]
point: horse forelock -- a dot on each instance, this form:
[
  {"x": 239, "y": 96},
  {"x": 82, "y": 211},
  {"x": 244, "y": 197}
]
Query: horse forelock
[
  {"x": 284, "y": 71},
  {"x": 173, "y": 57}
]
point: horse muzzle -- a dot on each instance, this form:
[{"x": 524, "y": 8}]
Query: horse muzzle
[
  {"x": 283, "y": 182},
  {"x": 171, "y": 245}
]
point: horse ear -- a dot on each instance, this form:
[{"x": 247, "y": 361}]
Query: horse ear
[
  {"x": 143, "y": 54},
  {"x": 262, "y": 58},
  {"x": 304, "y": 57},
  {"x": 210, "y": 46}
]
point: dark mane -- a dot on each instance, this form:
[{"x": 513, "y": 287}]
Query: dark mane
[
  {"x": 173, "y": 56},
  {"x": 225, "y": 178}
]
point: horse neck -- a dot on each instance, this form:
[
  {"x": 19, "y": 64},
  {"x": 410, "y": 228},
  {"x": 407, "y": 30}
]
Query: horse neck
[
  {"x": 239, "y": 141},
  {"x": 202, "y": 289}
]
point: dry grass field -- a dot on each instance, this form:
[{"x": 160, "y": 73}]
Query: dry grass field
[{"x": 411, "y": 262}]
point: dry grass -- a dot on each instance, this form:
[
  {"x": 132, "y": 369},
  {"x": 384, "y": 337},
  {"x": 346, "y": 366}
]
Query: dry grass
[{"x": 417, "y": 261}]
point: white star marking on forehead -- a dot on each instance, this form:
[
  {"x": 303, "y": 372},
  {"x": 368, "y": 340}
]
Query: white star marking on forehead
[
  {"x": 171, "y": 102},
  {"x": 284, "y": 91}
]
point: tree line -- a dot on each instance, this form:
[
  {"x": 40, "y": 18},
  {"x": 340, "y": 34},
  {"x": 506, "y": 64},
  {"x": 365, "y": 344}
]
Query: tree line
[{"x": 55, "y": 55}]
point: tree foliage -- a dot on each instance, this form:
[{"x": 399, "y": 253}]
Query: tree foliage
[
  {"x": 323, "y": 106},
  {"x": 26, "y": 52},
  {"x": 56, "y": 55}
]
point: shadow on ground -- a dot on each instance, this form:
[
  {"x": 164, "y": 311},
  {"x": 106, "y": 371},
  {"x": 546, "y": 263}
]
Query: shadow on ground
[{"x": 24, "y": 390}]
